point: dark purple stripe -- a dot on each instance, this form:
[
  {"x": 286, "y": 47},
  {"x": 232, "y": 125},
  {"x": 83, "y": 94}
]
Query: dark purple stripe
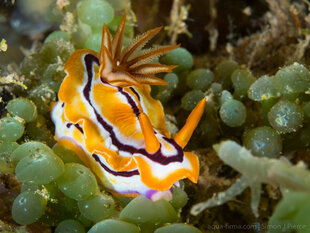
[
  {"x": 160, "y": 158},
  {"x": 135, "y": 92},
  {"x": 79, "y": 128},
  {"x": 130, "y": 101},
  {"x": 89, "y": 59},
  {"x": 157, "y": 156},
  {"x": 76, "y": 126},
  {"x": 125, "y": 174}
]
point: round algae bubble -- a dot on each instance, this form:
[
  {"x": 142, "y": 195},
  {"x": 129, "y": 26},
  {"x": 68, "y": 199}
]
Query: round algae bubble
[
  {"x": 292, "y": 79},
  {"x": 224, "y": 70},
  {"x": 52, "y": 77},
  {"x": 26, "y": 187},
  {"x": 141, "y": 210},
  {"x": 53, "y": 49},
  {"x": 172, "y": 79},
  {"x": 94, "y": 42},
  {"x": 225, "y": 96},
  {"x": 43, "y": 96},
  {"x": 291, "y": 211},
  {"x": 57, "y": 35},
  {"x": 6, "y": 149},
  {"x": 95, "y": 12},
  {"x": 181, "y": 57},
  {"x": 191, "y": 99},
  {"x": 263, "y": 141},
  {"x": 179, "y": 198},
  {"x": 10, "y": 129},
  {"x": 39, "y": 131},
  {"x": 200, "y": 79},
  {"x": 263, "y": 89},
  {"x": 23, "y": 108},
  {"x": 66, "y": 155},
  {"x": 41, "y": 167},
  {"x": 118, "y": 4},
  {"x": 77, "y": 182},
  {"x": 233, "y": 113},
  {"x": 164, "y": 93},
  {"x": 113, "y": 25},
  {"x": 242, "y": 80},
  {"x": 29, "y": 148},
  {"x": 216, "y": 89},
  {"x": 28, "y": 207},
  {"x": 114, "y": 226},
  {"x": 285, "y": 117},
  {"x": 177, "y": 227},
  {"x": 70, "y": 226},
  {"x": 97, "y": 208}
]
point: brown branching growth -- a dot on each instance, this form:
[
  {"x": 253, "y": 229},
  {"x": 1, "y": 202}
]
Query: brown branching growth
[
  {"x": 211, "y": 28},
  {"x": 178, "y": 16},
  {"x": 283, "y": 40},
  {"x": 131, "y": 16}
]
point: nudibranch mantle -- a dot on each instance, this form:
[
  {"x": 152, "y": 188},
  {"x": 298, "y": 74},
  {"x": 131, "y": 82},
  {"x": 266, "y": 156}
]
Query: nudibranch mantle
[{"x": 107, "y": 116}]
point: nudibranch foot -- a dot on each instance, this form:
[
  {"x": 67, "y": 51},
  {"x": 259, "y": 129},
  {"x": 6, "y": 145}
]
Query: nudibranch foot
[{"x": 107, "y": 115}]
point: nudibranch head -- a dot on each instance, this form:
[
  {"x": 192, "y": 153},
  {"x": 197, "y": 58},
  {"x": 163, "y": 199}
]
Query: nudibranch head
[{"x": 107, "y": 116}]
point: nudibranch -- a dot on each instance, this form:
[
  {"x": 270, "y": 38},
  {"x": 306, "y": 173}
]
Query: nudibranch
[{"x": 107, "y": 116}]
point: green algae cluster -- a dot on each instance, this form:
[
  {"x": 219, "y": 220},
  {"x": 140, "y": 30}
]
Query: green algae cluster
[
  {"x": 264, "y": 112},
  {"x": 288, "y": 177},
  {"x": 57, "y": 189},
  {"x": 268, "y": 114},
  {"x": 291, "y": 214}
]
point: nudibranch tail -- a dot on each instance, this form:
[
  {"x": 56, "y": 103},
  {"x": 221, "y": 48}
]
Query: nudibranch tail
[{"x": 107, "y": 115}]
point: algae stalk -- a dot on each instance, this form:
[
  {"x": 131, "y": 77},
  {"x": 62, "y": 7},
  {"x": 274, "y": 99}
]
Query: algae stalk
[{"x": 255, "y": 171}]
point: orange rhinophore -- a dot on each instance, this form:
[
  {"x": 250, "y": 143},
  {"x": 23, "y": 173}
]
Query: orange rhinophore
[{"x": 107, "y": 115}]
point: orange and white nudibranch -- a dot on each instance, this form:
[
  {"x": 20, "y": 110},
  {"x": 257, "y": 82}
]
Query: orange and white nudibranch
[{"x": 106, "y": 114}]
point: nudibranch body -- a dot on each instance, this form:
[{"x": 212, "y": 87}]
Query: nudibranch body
[{"x": 106, "y": 114}]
